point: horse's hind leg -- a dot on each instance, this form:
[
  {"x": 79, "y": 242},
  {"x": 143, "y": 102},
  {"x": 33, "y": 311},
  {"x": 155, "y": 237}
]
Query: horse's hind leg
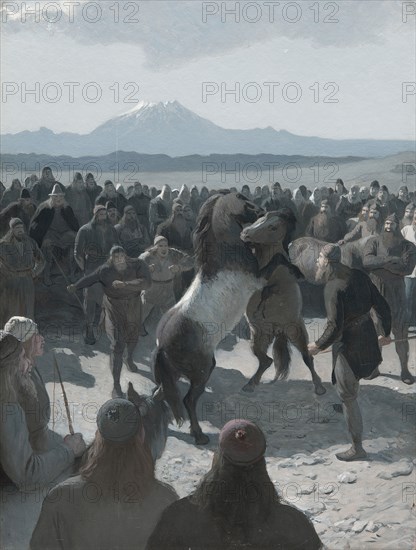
[
  {"x": 261, "y": 338},
  {"x": 190, "y": 401},
  {"x": 299, "y": 338}
]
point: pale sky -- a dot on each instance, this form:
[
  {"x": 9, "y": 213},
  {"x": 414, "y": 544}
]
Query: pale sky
[{"x": 168, "y": 50}]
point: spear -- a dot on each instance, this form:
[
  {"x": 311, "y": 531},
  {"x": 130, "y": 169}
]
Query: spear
[{"x": 68, "y": 413}]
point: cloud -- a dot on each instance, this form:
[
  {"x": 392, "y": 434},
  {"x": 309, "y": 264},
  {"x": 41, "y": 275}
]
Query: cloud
[{"x": 173, "y": 33}]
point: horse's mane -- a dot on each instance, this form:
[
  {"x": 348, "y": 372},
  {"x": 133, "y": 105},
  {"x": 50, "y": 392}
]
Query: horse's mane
[{"x": 203, "y": 227}]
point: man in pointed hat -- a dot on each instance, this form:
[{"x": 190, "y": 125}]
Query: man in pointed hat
[
  {"x": 54, "y": 225},
  {"x": 390, "y": 257}
]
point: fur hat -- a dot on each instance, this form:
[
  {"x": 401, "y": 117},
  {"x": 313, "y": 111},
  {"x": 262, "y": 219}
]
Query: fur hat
[
  {"x": 8, "y": 345},
  {"x": 21, "y": 328},
  {"x": 332, "y": 253},
  {"x": 392, "y": 218},
  {"x": 57, "y": 191},
  {"x": 242, "y": 442},
  {"x": 118, "y": 420},
  {"x": 24, "y": 194},
  {"x": 159, "y": 238}
]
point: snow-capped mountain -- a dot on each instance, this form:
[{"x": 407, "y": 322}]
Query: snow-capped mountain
[{"x": 172, "y": 129}]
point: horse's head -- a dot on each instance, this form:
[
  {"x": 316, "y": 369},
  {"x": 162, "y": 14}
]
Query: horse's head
[
  {"x": 269, "y": 229},
  {"x": 239, "y": 208}
]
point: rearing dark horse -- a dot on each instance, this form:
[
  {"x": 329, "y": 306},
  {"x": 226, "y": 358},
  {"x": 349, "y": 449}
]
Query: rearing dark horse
[{"x": 227, "y": 276}]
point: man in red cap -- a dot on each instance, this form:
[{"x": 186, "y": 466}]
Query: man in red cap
[
  {"x": 349, "y": 296},
  {"x": 390, "y": 257},
  {"x": 236, "y": 505}
]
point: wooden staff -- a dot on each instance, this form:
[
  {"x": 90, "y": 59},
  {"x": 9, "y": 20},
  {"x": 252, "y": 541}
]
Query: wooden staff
[{"x": 68, "y": 413}]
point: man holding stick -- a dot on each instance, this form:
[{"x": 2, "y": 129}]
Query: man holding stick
[{"x": 349, "y": 296}]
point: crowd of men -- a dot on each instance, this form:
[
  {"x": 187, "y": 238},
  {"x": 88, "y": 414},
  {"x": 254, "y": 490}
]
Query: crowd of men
[{"x": 131, "y": 252}]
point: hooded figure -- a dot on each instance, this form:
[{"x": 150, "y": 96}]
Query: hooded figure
[
  {"x": 132, "y": 235},
  {"x": 160, "y": 209},
  {"x": 109, "y": 193},
  {"x": 43, "y": 187},
  {"x": 12, "y": 194},
  {"x": 141, "y": 204},
  {"x": 92, "y": 188},
  {"x": 184, "y": 194},
  {"x": 177, "y": 230},
  {"x": 79, "y": 200},
  {"x": 349, "y": 206},
  {"x": 324, "y": 226}
]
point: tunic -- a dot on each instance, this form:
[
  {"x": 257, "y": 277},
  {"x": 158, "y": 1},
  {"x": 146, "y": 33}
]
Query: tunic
[
  {"x": 348, "y": 301},
  {"x": 77, "y": 515}
]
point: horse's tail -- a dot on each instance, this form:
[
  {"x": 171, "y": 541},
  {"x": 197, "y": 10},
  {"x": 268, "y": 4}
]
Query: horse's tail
[
  {"x": 168, "y": 389},
  {"x": 281, "y": 356}
]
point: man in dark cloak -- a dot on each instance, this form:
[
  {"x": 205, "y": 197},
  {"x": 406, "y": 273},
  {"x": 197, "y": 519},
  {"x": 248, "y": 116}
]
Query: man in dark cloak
[
  {"x": 389, "y": 258},
  {"x": 92, "y": 246},
  {"x": 401, "y": 201},
  {"x": 109, "y": 193},
  {"x": 123, "y": 280},
  {"x": 43, "y": 188},
  {"x": 92, "y": 188},
  {"x": 349, "y": 296},
  {"x": 195, "y": 200},
  {"x": 176, "y": 230},
  {"x": 236, "y": 504},
  {"x": 54, "y": 226},
  {"x": 272, "y": 202},
  {"x": 349, "y": 206},
  {"x": 24, "y": 209},
  {"x": 160, "y": 209},
  {"x": 141, "y": 204},
  {"x": 132, "y": 235},
  {"x": 324, "y": 226},
  {"x": 79, "y": 200},
  {"x": 20, "y": 262}
]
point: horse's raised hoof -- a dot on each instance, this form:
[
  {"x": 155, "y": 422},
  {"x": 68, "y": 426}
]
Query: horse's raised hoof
[
  {"x": 320, "y": 389},
  {"x": 249, "y": 388},
  {"x": 200, "y": 439}
]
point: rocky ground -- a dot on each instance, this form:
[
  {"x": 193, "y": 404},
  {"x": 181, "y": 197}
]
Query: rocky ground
[{"x": 365, "y": 504}]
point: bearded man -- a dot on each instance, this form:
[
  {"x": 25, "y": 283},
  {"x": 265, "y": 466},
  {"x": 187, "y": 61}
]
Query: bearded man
[
  {"x": 384, "y": 202},
  {"x": 112, "y": 213},
  {"x": 409, "y": 233},
  {"x": 324, "y": 226},
  {"x": 92, "y": 246},
  {"x": 349, "y": 296},
  {"x": 140, "y": 203},
  {"x": 408, "y": 215},
  {"x": 78, "y": 199},
  {"x": 176, "y": 230},
  {"x": 401, "y": 201},
  {"x": 349, "y": 206},
  {"x": 160, "y": 209},
  {"x": 236, "y": 504},
  {"x": 273, "y": 198},
  {"x": 22, "y": 465},
  {"x": 366, "y": 228},
  {"x": 123, "y": 280},
  {"x": 43, "y": 187},
  {"x": 118, "y": 469},
  {"x": 389, "y": 258},
  {"x": 20, "y": 262},
  {"x": 24, "y": 209},
  {"x": 132, "y": 235},
  {"x": 164, "y": 264},
  {"x": 92, "y": 188},
  {"x": 184, "y": 194}
]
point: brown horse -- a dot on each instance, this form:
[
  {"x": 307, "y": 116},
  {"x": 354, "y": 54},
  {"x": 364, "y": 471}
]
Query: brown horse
[{"x": 275, "y": 313}]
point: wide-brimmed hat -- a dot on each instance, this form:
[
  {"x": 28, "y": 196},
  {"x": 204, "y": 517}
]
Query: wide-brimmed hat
[{"x": 57, "y": 191}]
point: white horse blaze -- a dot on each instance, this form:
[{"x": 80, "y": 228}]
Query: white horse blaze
[{"x": 219, "y": 304}]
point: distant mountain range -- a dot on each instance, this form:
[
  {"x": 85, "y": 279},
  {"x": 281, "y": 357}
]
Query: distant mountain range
[{"x": 169, "y": 128}]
